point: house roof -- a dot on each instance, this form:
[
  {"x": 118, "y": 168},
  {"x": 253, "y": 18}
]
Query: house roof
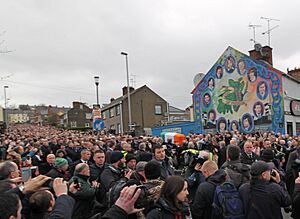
[{"x": 121, "y": 98}]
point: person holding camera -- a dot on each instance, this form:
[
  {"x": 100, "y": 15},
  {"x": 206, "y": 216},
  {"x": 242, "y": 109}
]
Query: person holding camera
[{"x": 263, "y": 197}]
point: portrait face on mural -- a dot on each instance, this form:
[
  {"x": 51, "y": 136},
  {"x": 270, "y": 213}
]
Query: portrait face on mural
[
  {"x": 262, "y": 90},
  {"x": 252, "y": 75},
  {"x": 219, "y": 72},
  {"x": 241, "y": 67},
  {"x": 211, "y": 83},
  {"x": 230, "y": 64},
  {"x": 234, "y": 126},
  {"x": 206, "y": 99},
  {"x": 247, "y": 122},
  {"x": 222, "y": 125},
  {"x": 258, "y": 109},
  {"x": 211, "y": 115}
]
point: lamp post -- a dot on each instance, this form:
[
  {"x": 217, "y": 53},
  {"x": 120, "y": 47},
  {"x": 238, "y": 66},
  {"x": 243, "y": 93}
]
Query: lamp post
[
  {"x": 5, "y": 105},
  {"x": 128, "y": 90},
  {"x": 97, "y": 88}
]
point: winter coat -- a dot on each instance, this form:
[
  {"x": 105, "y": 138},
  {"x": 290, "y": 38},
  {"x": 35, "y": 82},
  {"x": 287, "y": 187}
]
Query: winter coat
[
  {"x": 202, "y": 206},
  {"x": 63, "y": 208},
  {"x": 238, "y": 173},
  {"x": 84, "y": 197},
  {"x": 296, "y": 202},
  {"x": 162, "y": 210},
  {"x": 246, "y": 160},
  {"x": 266, "y": 199},
  {"x": 166, "y": 168},
  {"x": 96, "y": 172},
  {"x": 110, "y": 176}
]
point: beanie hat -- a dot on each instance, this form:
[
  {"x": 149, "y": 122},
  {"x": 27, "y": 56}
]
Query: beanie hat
[
  {"x": 130, "y": 157},
  {"x": 60, "y": 162},
  {"x": 259, "y": 167},
  {"x": 152, "y": 170},
  {"x": 267, "y": 155},
  {"x": 116, "y": 156}
]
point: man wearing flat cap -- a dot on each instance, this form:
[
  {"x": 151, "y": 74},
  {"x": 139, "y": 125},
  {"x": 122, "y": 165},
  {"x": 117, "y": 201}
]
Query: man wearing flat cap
[{"x": 263, "y": 197}]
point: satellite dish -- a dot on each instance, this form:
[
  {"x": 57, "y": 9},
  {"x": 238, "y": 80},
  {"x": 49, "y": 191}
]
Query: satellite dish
[
  {"x": 257, "y": 47},
  {"x": 198, "y": 77}
]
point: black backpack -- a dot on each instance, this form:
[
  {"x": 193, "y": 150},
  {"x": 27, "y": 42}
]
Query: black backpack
[{"x": 227, "y": 203}]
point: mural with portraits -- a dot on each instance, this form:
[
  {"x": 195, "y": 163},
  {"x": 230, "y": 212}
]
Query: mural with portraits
[{"x": 239, "y": 94}]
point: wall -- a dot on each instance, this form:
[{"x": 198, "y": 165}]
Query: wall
[
  {"x": 239, "y": 93},
  {"x": 291, "y": 92}
]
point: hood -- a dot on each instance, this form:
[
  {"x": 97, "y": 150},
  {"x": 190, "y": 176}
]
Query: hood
[{"x": 217, "y": 178}]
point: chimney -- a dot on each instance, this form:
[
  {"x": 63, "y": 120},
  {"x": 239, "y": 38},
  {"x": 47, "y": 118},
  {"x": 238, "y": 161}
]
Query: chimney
[
  {"x": 264, "y": 54},
  {"x": 124, "y": 89},
  {"x": 295, "y": 73}
]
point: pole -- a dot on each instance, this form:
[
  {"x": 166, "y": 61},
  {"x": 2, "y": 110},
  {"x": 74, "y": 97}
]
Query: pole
[
  {"x": 97, "y": 92},
  {"x": 5, "y": 105},
  {"x": 128, "y": 91}
]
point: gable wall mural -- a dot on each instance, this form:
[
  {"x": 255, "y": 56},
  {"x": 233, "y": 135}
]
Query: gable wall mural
[{"x": 239, "y": 93}]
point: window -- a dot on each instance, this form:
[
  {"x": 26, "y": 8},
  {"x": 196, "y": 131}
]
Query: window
[
  {"x": 87, "y": 125},
  {"x": 118, "y": 128},
  {"x": 118, "y": 110},
  {"x": 297, "y": 128},
  {"x": 157, "y": 110},
  {"x": 88, "y": 116},
  {"x": 104, "y": 115},
  {"x": 111, "y": 112},
  {"x": 73, "y": 124},
  {"x": 81, "y": 106},
  {"x": 289, "y": 127}
]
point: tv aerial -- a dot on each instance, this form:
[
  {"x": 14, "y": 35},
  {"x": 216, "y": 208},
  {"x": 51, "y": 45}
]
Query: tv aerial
[
  {"x": 269, "y": 28},
  {"x": 253, "y": 26}
]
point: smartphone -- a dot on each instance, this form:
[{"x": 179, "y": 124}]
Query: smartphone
[
  {"x": 34, "y": 171},
  {"x": 76, "y": 183},
  {"x": 26, "y": 173}
]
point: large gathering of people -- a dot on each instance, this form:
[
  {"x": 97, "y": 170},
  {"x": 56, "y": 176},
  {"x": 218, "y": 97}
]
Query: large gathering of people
[{"x": 47, "y": 172}]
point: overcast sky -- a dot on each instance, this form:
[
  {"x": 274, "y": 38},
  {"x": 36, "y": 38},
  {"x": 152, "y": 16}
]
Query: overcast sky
[{"x": 58, "y": 46}]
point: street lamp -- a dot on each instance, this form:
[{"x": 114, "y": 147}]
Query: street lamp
[
  {"x": 5, "y": 105},
  {"x": 97, "y": 90},
  {"x": 128, "y": 90}
]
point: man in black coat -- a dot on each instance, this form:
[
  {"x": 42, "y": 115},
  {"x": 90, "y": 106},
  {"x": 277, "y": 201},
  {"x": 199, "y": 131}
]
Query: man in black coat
[
  {"x": 112, "y": 173},
  {"x": 166, "y": 166},
  {"x": 46, "y": 167},
  {"x": 202, "y": 206},
  {"x": 248, "y": 156},
  {"x": 99, "y": 165},
  {"x": 261, "y": 197}
]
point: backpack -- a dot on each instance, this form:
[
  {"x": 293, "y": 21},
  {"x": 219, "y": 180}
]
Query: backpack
[
  {"x": 238, "y": 176},
  {"x": 227, "y": 203}
]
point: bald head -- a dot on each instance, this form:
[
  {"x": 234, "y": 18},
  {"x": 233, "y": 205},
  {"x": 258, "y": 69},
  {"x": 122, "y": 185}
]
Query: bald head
[{"x": 82, "y": 169}]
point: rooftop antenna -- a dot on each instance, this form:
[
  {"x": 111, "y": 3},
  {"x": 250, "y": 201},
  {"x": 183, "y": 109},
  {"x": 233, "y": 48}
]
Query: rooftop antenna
[
  {"x": 133, "y": 81},
  {"x": 253, "y": 26},
  {"x": 269, "y": 28}
]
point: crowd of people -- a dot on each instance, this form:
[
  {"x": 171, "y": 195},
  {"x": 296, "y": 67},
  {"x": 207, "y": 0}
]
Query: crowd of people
[{"x": 52, "y": 173}]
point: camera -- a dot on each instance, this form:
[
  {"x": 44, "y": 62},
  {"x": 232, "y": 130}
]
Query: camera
[
  {"x": 273, "y": 173},
  {"x": 76, "y": 183}
]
